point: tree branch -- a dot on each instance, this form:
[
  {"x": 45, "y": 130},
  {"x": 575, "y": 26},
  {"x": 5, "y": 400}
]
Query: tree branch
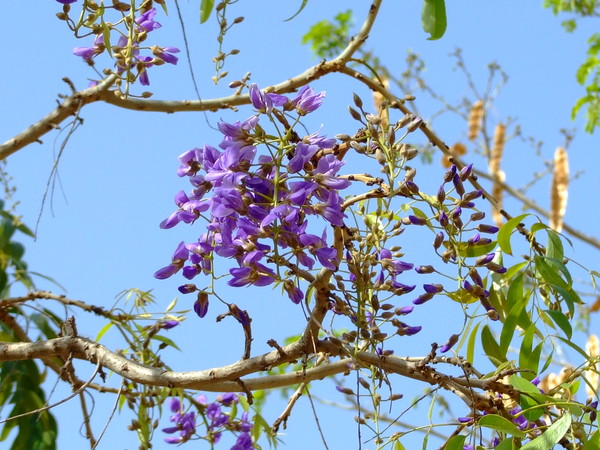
[
  {"x": 101, "y": 92},
  {"x": 66, "y": 109}
]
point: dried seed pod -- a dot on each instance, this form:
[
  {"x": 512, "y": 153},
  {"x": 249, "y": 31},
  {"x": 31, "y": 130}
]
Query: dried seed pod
[
  {"x": 559, "y": 189},
  {"x": 457, "y": 149},
  {"x": 592, "y": 348},
  {"x": 475, "y": 119},
  {"x": 380, "y": 105}
]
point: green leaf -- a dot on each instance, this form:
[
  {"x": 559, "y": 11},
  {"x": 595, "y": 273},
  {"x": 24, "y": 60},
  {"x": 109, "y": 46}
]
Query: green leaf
[
  {"x": 165, "y": 340},
  {"x": 594, "y": 442},
  {"x": 471, "y": 345},
  {"x": 574, "y": 347},
  {"x": 555, "y": 247},
  {"x": 561, "y": 320},
  {"x": 551, "y": 436},
  {"x": 522, "y": 385},
  {"x": 491, "y": 347},
  {"x": 505, "y": 233},
  {"x": 499, "y": 423},
  {"x": 302, "y": 6},
  {"x": 455, "y": 442},
  {"x": 103, "y": 331},
  {"x": 506, "y": 444},
  {"x": 474, "y": 251},
  {"x": 525, "y": 354},
  {"x": 433, "y": 18},
  {"x": 206, "y": 8},
  {"x": 515, "y": 306}
]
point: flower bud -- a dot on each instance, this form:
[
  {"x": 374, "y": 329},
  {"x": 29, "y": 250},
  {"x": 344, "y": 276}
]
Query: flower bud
[
  {"x": 355, "y": 114},
  {"x": 439, "y": 239},
  {"x": 424, "y": 269}
]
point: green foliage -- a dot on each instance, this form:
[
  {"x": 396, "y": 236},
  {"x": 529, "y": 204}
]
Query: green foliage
[
  {"x": 588, "y": 74},
  {"x": 327, "y": 39},
  {"x": 433, "y": 18},
  {"x": 206, "y": 7}
]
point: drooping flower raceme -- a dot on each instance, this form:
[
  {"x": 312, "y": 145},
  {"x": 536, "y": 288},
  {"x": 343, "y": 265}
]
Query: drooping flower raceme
[{"x": 256, "y": 207}]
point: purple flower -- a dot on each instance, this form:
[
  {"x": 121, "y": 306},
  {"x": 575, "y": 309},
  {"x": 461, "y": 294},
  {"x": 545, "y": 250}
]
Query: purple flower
[
  {"x": 166, "y": 54},
  {"x": 185, "y": 423},
  {"x": 307, "y": 100},
  {"x": 88, "y": 53},
  {"x": 178, "y": 260},
  {"x": 261, "y": 101},
  {"x": 146, "y": 21},
  {"x": 66, "y": 2},
  {"x": 257, "y": 275}
]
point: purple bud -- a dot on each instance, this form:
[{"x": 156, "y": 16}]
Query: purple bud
[
  {"x": 465, "y": 172},
  {"x": 458, "y": 186},
  {"x": 496, "y": 267},
  {"x": 433, "y": 288},
  {"x": 187, "y": 288},
  {"x": 477, "y": 216},
  {"x": 416, "y": 220},
  {"x": 441, "y": 195},
  {"x": 487, "y": 228},
  {"x": 443, "y": 219},
  {"x": 423, "y": 298},
  {"x": 201, "y": 305},
  {"x": 424, "y": 269},
  {"x": 439, "y": 239},
  {"x": 448, "y": 345},
  {"x": 474, "y": 239},
  {"x": 404, "y": 310},
  {"x": 483, "y": 260},
  {"x": 168, "y": 324}
]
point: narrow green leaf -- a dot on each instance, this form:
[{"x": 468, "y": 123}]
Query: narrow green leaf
[
  {"x": 574, "y": 347},
  {"x": 491, "y": 347},
  {"x": 433, "y": 18},
  {"x": 525, "y": 352},
  {"x": 515, "y": 305},
  {"x": 165, "y": 340},
  {"x": 594, "y": 442},
  {"x": 206, "y": 8},
  {"x": 555, "y": 248},
  {"x": 561, "y": 320},
  {"x": 499, "y": 423},
  {"x": 551, "y": 436},
  {"x": 506, "y": 444},
  {"x": 471, "y": 345},
  {"x": 522, "y": 385},
  {"x": 304, "y": 3},
  {"x": 455, "y": 442},
  {"x": 505, "y": 233},
  {"x": 103, "y": 330}
]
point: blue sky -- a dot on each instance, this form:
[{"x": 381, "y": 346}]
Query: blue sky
[{"x": 118, "y": 170}]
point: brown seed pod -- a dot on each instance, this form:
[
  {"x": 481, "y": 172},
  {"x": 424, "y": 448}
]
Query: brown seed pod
[
  {"x": 559, "y": 189},
  {"x": 475, "y": 119},
  {"x": 381, "y": 106},
  {"x": 592, "y": 348},
  {"x": 457, "y": 149},
  {"x": 495, "y": 171}
]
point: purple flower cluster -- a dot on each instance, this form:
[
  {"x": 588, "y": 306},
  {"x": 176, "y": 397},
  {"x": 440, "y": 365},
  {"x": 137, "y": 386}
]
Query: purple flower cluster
[
  {"x": 128, "y": 59},
  {"x": 256, "y": 205},
  {"x": 217, "y": 421}
]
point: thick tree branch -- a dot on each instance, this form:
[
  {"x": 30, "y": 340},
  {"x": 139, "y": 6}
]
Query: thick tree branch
[
  {"x": 101, "y": 92},
  {"x": 227, "y": 378},
  {"x": 69, "y": 107}
]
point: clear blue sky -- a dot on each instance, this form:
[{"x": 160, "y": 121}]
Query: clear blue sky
[{"x": 118, "y": 170}]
